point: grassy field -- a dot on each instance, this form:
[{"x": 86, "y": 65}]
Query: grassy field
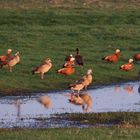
[
  {"x": 127, "y": 128},
  {"x": 41, "y": 29},
  {"x": 72, "y": 134}
]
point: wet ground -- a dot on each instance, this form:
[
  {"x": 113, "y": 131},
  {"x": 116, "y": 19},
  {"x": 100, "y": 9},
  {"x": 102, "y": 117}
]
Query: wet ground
[{"x": 39, "y": 111}]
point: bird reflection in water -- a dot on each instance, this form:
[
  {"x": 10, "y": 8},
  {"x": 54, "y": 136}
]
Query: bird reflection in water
[
  {"x": 83, "y": 99},
  {"x": 45, "y": 101},
  {"x": 128, "y": 88},
  {"x": 17, "y": 104}
]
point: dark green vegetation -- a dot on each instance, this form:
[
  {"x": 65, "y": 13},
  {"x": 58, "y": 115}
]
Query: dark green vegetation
[
  {"x": 125, "y": 119},
  {"x": 72, "y": 134},
  {"x": 39, "y": 29},
  {"x": 127, "y": 128}
]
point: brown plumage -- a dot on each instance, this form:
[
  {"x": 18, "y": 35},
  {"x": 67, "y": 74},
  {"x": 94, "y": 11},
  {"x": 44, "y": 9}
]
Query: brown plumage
[
  {"x": 113, "y": 57},
  {"x": 5, "y": 58},
  {"x": 12, "y": 62},
  {"x": 137, "y": 57},
  {"x": 129, "y": 66},
  {"x": 66, "y": 71},
  {"x": 83, "y": 82},
  {"x": 70, "y": 62},
  {"x": 84, "y": 100},
  {"x": 78, "y": 58},
  {"x": 43, "y": 68}
]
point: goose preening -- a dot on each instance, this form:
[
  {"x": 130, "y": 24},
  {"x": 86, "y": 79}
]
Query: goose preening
[
  {"x": 84, "y": 100},
  {"x": 5, "y": 58},
  {"x": 113, "y": 57},
  {"x": 43, "y": 68},
  {"x": 13, "y": 61},
  {"x": 129, "y": 66},
  {"x": 83, "y": 82},
  {"x": 78, "y": 58}
]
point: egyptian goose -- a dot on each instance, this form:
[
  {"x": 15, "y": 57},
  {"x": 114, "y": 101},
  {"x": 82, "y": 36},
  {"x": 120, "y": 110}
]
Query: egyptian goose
[
  {"x": 83, "y": 82},
  {"x": 137, "y": 57},
  {"x": 128, "y": 66},
  {"x": 43, "y": 68},
  {"x": 87, "y": 79},
  {"x": 113, "y": 57},
  {"x": 78, "y": 58},
  {"x": 84, "y": 100},
  {"x": 77, "y": 87},
  {"x": 5, "y": 58},
  {"x": 12, "y": 62}
]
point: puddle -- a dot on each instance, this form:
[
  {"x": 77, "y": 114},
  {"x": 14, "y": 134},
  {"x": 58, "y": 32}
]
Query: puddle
[{"x": 37, "y": 111}]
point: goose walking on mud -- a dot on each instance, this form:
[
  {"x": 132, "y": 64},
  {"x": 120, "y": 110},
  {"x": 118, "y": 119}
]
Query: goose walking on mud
[{"x": 43, "y": 68}]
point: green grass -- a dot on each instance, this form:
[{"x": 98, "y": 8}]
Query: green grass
[
  {"x": 125, "y": 119},
  {"x": 72, "y": 134},
  {"x": 53, "y": 31}
]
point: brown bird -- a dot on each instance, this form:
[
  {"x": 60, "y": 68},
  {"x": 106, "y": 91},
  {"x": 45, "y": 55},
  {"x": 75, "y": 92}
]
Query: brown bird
[
  {"x": 12, "y": 62},
  {"x": 128, "y": 66},
  {"x": 78, "y": 58},
  {"x": 83, "y": 82},
  {"x": 84, "y": 100},
  {"x": 66, "y": 71},
  {"x": 70, "y": 62},
  {"x": 113, "y": 57},
  {"x": 137, "y": 57},
  {"x": 43, "y": 68},
  {"x": 5, "y": 58}
]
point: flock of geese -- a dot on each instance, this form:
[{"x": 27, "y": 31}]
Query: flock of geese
[{"x": 68, "y": 69}]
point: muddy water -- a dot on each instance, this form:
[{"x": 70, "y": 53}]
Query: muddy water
[{"x": 38, "y": 111}]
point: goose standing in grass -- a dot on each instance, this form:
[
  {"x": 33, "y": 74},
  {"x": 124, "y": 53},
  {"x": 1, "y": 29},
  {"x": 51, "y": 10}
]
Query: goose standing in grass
[
  {"x": 83, "y": 82},
  {"x": 113, "y": 57},
  {"x": 137, "y": 57},
  {"x": 84, "y": 100},
  {"x": 128, "y": 66},
  {"x": 78, "y": 58},
  {"x": 5, "y": 58},
  {"x": 68, "y": 68},
  {"x": 12, "y": 62},
  {"x": 69, "y": 61},
  {"x": 43, "y": 68}
]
